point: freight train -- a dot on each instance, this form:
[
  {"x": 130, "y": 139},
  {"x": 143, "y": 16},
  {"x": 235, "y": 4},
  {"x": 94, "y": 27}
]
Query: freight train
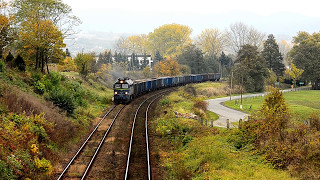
[{"x": 125, "y": 89}]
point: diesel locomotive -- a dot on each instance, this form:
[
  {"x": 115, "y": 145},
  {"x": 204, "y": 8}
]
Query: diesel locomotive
[{"x": 125, "y": 89}]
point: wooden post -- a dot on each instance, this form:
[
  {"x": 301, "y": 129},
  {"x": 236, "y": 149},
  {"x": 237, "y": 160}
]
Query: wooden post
[
  {"x": 228, "y": 124},
  {"x": 211, "y": 122},
  {"x": 206, "y": 122},
  {"x": 240, "y": 123}
]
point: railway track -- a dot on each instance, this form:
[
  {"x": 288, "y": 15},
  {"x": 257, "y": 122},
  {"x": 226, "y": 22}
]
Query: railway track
[
  {"x": 115, "y": 161},
  {"x": 81, "y": 162},
  {"x": 138, "y": 164}
]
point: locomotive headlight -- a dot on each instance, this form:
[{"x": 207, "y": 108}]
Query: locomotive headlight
[
  {"x": 116, "y": 93},
  {"x": 121, "y": 82},
  {"x": 126, "y": 93}
]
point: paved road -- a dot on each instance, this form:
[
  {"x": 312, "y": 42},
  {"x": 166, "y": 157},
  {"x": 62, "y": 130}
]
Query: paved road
[{"x": 224, "y": 113}]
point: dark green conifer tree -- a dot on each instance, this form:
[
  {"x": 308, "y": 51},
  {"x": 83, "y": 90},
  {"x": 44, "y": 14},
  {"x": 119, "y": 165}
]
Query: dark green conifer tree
[
  {"x": 250, "y": 69},
  {"x": 157, "y": 57},
  {"x": 273, "y": 56},
  {"x": 145, "y": 61},
  {"x": 19, "y": 63},
  {"x": 68, "y": 54},
  {"x": 9, "y": 59}
]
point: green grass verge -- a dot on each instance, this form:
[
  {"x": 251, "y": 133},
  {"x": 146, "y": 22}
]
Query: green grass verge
[{"x": 301, "y": 103}]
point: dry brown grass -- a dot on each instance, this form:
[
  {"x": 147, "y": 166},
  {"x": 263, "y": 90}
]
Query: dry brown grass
[
  {"x": 219, "y": 91},
  {"x": 18, "y": 101}
]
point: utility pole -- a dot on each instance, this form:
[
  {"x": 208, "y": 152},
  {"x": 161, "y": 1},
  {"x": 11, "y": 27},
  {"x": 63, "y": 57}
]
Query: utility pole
[
  {"x": 241, "y": 91},
  {"x": 231, "y": 85}
]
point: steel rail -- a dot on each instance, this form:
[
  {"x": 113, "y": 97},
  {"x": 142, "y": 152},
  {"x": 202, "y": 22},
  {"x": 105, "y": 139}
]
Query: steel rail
[
  {"x": 147, "y": 138},
  {"x": 132, "y": 132},
  {"x": 80, "y": 149},
  {"x": 101, "y": 142}
]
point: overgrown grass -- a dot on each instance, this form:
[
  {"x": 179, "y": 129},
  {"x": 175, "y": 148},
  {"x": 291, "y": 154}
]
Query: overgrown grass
[
  {"x": 301, "y": 103},
  {"x": 210, "y": 90}
]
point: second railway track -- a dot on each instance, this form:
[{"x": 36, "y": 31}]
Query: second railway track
[{"x": 80, "y": 164}]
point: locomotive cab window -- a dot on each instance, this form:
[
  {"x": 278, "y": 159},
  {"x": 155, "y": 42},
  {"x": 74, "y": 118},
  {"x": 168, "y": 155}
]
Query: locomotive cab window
[
  {"x": 125, "y": 85},
  {"x": 117, "y": 86}
]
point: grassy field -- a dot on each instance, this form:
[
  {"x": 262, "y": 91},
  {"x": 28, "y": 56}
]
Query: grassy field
[
  {"x": 188, "y": 150},
  {"x": 300, "y": 103}
]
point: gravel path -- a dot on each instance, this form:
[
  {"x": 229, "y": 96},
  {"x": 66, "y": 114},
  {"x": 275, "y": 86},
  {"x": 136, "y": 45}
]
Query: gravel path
[{"x": 224, "y": 113}]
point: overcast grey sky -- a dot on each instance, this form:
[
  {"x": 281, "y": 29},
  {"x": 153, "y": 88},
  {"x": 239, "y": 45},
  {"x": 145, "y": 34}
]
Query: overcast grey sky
[{"x": 285, "y": 17}]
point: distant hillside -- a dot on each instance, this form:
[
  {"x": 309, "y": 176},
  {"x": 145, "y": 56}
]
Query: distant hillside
[{"x": 96, "y": 41}]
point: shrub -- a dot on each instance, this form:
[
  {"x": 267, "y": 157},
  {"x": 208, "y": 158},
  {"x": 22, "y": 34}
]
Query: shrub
[
  {"x": 39, "y": 87},
  {"x": 165, "y": 102},
  {"x": 47, "y": 83},
  {"x": 19, "y": 63},
  {"x": 315, "y": 121},
  {"x": 63, "y": 99},
  {"x": 55, "y": 78},
  {"x": 6, "y": 171},
  {"x": 43, "y": 166},
  {"x": 9, "y": 58},
  {"x": 36, "y": 76},
  {"x": 190, "y": 90},
  {"x": 24, "y": 138},
  {"x": 200, "y": 113},
  {"x": 2, "y": 66},
  {"x": 78, "y": 93},
  {"x": 203, "y": 105},
  {"x": 186, "y": 140}
]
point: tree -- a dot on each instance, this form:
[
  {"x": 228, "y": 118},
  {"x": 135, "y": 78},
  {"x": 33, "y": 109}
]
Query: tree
[
  {"x": 134, "y": 62},
  {"x": 59, "y": 13},
  {"x": 68, "y": 54},
  {"x": 168, "y": 67},
  {"x": 284, "y": 48},
  {"x": 41, "y": 41},
  {"x": 145, "y": 62},
  {"x": 250, "y": 69},
  {"x": 67, "y": 65},
  {"x": 212, "y": 41},
  {"x": 212, "y": 63},
  {"x": 157, "y": 57},
  {"x": 84, "y": 62},
  {"x": 225, "y": 62},
  {"x": 105, "y": 72},
  {"x": 6, "y": 33},
  {"x": 43, "y": 26},
  {"x": 273, "y": 56},
  {"x": 120, "y": 46},
  {"x": 19, "y": 63},
  {"x": 169, "y": 39},
  {"x": 294, "y": 73},
  {"x": 306, "y": 55},
  {"x": 241, "y": 34},
  {"x": 147, "y": 72},
  {"x": 136, "y": 44},
  {"x": 9, "y": 59},
  {"x": 193, "y": 57}
]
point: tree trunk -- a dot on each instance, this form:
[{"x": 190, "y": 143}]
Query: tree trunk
[
  {"x": 47, "y": 65},
  {"x": 37, "y": 58},
  {"x": 42, "y": 61},
  {"x": 316, "y": 85}
]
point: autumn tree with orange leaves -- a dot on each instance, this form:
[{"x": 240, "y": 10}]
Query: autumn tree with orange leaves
[{"x": 169, "y": 67}]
